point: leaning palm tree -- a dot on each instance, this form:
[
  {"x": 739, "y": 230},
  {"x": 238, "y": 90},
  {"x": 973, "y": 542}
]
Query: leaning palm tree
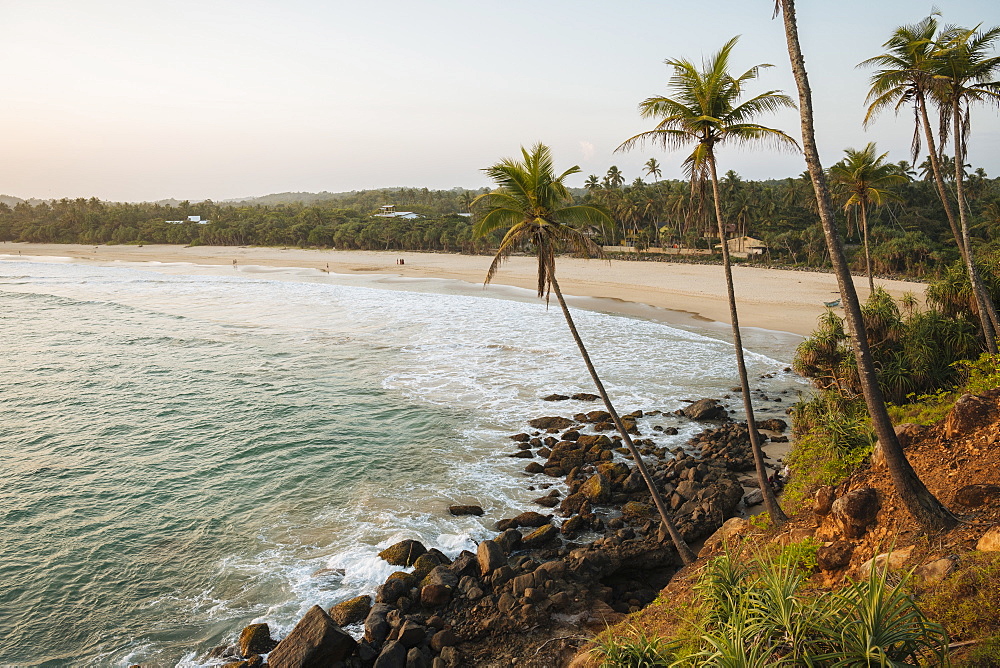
[
  {"x": 865, "y": 180},
  {"x": 706, "y": 110},
  {"x": 918, "y": 500},
  {"x": 906, "y": 76},
  {"x": 968, "y": 75},
  {"x": 535, "y": 208}
]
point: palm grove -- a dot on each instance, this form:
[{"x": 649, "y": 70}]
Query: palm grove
[{"x": 707, "y": 108}]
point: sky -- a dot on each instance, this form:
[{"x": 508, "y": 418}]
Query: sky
[{"x": 134, "y": 100}]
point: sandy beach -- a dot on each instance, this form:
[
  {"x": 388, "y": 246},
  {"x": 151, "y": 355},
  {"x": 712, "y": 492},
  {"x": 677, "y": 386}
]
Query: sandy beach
[{"x": 772, "y": 299}]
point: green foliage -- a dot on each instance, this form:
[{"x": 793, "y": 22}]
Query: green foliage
[
  {"x": 801, "y": 555},
  {"x": 966, "y": 601},
  {"x": 636, "y": 650},
  {"x": 834, "y": 437},
  {"x": 983, "y": 373},
  {"x": 914, "y": 351},
  {"x": 924, "y": 409}
]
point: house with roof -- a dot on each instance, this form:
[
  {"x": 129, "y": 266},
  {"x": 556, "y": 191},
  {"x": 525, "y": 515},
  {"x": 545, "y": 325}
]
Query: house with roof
[{"x": 389, "y": 211}]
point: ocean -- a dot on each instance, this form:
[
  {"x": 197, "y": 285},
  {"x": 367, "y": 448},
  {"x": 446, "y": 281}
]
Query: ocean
[{"x": 186, "y": 450}]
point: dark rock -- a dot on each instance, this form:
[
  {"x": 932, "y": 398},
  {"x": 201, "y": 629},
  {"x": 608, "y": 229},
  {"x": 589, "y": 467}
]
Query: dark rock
[
  {"x": 509, "y": 540},
  {"x": 773, "y": 424},
  {"x": 555, "y": 397},
  {"x": 393, "y": 655},
  {"x": 522, "y": 438},
  {"x": 523, "y": 454},
  {"x": 572, "y": 435},
  {"x": 705, "y": 409},
  {"x": 753, "y": 497},
  {"x": 256, "y": 639},
  {"x": 441, "y": 575},
  {"x": 506, "y": 523},
  {"x": 969, "y": 413},
  {"x": 411, "y": 634},
  {"x": 491, "y": 556},
  {"x": 585, "y": 396},
  {"x": 443, "y": 638},
  {"x": 572, "y": 526},
  {"x": 316, "y": 640},
  {"x": 670, "y": 431},
  {"x": 637, "y": 512},
  {"x": 376, "y": 626},
  {"x": 435, "y": 595},
  {"x": 779, "y": 439},
  {"x": 856, "y": 511},
  {"x": 465, "y": 564},
  {"x": 836, "y": 556},
  {"x": 547, "y": 501},
  {"x": 415, "y": 659},
  {"x": 973, "y": 496},
  {"x": 551, "y": 423},
  {"x": 403, "y": 553},
  {"x": 532, "y": 519},
  {"x": 534, "y": 467},
  {"x": 466, "y": 510},
  {"x": 351, "y": 611},
  {"x": 596, "y": 489},
  {"x": 392, "y": 590},
  {"x": 590, "y": 440},
  {"x": 424, "y": 564}
]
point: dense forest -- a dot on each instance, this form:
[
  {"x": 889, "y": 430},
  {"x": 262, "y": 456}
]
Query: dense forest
[{"x": 909, "y": 232}]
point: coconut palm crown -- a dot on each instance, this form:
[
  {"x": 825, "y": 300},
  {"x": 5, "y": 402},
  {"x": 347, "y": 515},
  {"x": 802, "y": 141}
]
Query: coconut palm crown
[
  {"x": 536, "y": 208},
  {"x": 706, "y": 109}
]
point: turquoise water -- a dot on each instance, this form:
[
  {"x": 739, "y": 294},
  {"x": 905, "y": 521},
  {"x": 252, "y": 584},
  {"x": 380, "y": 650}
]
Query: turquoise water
[{"x": 186, "y": 451}]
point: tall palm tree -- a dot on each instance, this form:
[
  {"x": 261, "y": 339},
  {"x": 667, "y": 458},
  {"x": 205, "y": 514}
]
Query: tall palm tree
[
  {"x": 593, "y": 183},
  {"x": 865, "y": 179},
  {"x": 652, "y": 168},
  {"x": 535, "y": 207},
  {"x": 906, "y": 75},
  {"x": 968, "y": 75},
  {"x": 918, "y": 500},
  {"x": 614, "y": 177},
  {"x": 706, "y": 110}
]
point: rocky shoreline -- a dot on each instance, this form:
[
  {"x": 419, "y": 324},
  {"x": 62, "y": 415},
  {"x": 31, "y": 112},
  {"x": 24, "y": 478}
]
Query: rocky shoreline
[{"x": 548, "y": 580}]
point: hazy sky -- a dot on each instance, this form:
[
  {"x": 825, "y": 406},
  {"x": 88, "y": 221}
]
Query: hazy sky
[{"x": 141, "y": 100}]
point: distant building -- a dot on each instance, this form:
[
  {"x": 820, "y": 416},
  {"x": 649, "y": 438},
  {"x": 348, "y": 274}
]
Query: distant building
[
  {"x": 745, "y": 245},
  {"x": 389, "y": 211},
  {"x": 190, "y": 219}
]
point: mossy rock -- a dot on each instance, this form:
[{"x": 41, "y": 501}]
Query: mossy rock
[
  {"x": 636, "y": 512},
  {"x": 540, "y": 536},
  {"x": 409, "y": 579},
  {"x": 351, "y": 611},
  {"x": 403, "y": 553},
  {"x": 424, "y": 564}
]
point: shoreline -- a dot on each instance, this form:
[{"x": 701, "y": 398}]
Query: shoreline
[{"x": 776, "y": 300}]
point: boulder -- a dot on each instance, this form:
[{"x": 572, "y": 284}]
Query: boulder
[
  {"x": 547, "y": 501},
  {"x": 973, "y": 496},
  {"x": 731, "y": 527},
  {"x": 533, "y": 468},
  {"x": 990, "y": 541},
  {"x": 403, "y": 553},
  {"x": 596, "y": 489},
  {"x": 598, "y": 416},
  {"x": 393, "y": 655},
  {"x": 836, "y": 556},
  {"x": 540, "y": 536},
  {"x": 532, "y": 519},
  {"x": 466, "y": 510},
  {"x": 415, "y": 658},
  {"x": 509, "y": 540},
  {"x": 435, "y": 595},
  {"x": 256, "y": 639},
  {"x": 969, "y": 413},
  {"x": 411, "y": 634},
  {"x": 823, "y": 500},
  {"x": 551, "y": 423},
  {"x": 934, "y": 572},
  {"x": 441, "y": 575},
  {"x": 892, "y": 561},
  {"x": 520, "y": 438},
  {"x": 351, "y": 611},
  {"x": 491, "y": 557},
  {"x": 585, "y": 396},
  {"x": 392, "y": 590},
  {"x": 637, "y": 512},
  {"x": 443, "y": 638},
  {"x": 424, "y": 564},
  {"x": 855, "y": 511},
  {"x": 376, "y": 626},
  {"x": 705, "y": 409},
  {"x": 590, "y": 440},
  {"x": 773, "y": 424},
  {"x": 555, "y": 397},
  {"x": 907, "y": 434},
  {"x": 315, "y": 641}
]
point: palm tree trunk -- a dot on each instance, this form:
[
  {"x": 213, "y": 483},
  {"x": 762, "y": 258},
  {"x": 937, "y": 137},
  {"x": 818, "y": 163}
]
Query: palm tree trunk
[
  {"x": 918, "y": 500},
  {"x": 987, "y": 314},
  {"x": 987, "y": 311},
  {"x": 770, "y": 501},
  {"x": 683, "y": 550},
  {"x": 868, "y": 257}
]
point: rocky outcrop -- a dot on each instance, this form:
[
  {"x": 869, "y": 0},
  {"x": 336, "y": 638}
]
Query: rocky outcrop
[
  {"x": 351, "y": 611},
  {"x": 969, "y": 413},
  {"x": 315, "y": 641},
  {"x": 551, "y": 423},
  {"x": 705, "y": 409},
  {"x": 403, "y": 553}
]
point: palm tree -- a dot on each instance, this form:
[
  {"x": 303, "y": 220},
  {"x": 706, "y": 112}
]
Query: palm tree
[
  {"x": 706, "y": 111},
  {"x": 967, "y": 76},
  {"x": 653, "y": 169},
  {"x": 614, "y": 177},
  {"x": 918, "y": 500},
  {"x": 535, "y": 207},
  {"x": 906, "y": 75},
  {"x": 593, "y": 183},
  {"x": 864, "y": 177}
]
